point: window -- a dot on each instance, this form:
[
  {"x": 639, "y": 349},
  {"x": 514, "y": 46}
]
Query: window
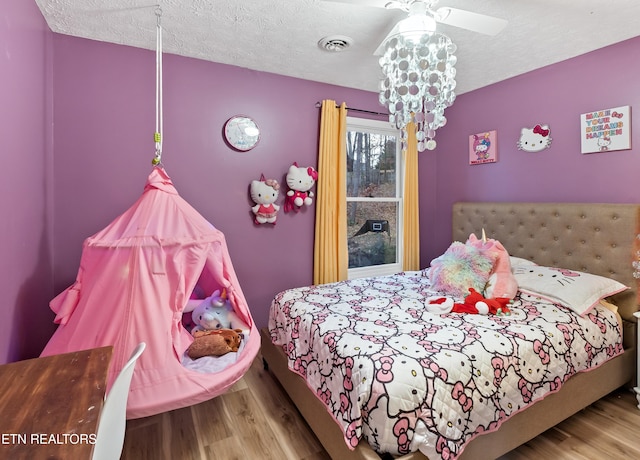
[{"x": 374, "y": 198}]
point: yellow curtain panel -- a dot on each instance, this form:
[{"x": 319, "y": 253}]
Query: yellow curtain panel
[
  {"x": 411, "y": 214},
  {"x": 330, "y": 253}
]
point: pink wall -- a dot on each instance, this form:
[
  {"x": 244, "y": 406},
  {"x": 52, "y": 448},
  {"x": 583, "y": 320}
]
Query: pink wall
[
  {"x": 555, "y": 95},
  {"x": 105, "y": 120},
  {"x": 102, "y": 139},
  {"x": 25, "y": 155},
  {"x": 104, "y": 124}
]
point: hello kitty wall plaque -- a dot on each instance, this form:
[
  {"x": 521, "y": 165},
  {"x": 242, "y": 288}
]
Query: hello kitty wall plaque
[
  {"x": 535, "y": 139},
  {"x": 604, "y": 130},
  {"x": 483, "y": 148}
]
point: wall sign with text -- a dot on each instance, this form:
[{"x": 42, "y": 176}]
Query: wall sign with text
[{"x": 605, "y": 130}]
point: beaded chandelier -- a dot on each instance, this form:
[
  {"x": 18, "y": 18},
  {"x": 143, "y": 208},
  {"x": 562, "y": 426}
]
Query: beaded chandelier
[{"x": 418, "y": 75}]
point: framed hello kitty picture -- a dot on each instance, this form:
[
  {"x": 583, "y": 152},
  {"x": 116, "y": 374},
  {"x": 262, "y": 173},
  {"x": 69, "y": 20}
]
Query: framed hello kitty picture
[
  {"x": 605, "y": 130},
  {"x": 483, "y": 148}
]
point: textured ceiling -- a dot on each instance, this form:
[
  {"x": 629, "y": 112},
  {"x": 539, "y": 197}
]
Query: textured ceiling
[{"x": 281, "y": 36}]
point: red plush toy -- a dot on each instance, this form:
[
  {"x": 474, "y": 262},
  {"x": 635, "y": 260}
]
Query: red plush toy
[{"x": 477, "y": 304}]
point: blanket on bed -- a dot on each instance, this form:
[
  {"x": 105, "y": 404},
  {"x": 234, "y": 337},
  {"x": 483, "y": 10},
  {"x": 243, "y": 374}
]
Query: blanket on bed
[{"x": 405, "y": 379}]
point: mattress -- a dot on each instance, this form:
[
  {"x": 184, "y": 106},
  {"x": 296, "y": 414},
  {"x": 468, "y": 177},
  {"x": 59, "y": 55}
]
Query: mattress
[{"x": 401, "y": 378}]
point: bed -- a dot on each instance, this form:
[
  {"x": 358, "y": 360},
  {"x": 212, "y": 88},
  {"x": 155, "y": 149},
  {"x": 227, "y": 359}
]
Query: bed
[{"x": 599, "y": 239}]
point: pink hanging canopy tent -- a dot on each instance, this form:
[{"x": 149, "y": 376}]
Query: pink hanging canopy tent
[{"x": 134, "y": 280}]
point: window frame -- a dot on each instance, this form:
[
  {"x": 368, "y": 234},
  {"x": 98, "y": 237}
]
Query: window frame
[{"x": 382, "y": 127}]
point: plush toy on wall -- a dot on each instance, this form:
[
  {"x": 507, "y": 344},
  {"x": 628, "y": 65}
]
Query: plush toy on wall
[
  {"x": 264, "y": 193},
  {"x": 299, "y": 181},
  {"x": 214, "y": 312}
]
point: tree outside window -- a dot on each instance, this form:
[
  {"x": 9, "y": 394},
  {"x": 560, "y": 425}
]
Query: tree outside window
[{"x": 374, "y": 198}]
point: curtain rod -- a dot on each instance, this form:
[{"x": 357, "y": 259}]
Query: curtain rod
[{"x": 319, "y": 104}]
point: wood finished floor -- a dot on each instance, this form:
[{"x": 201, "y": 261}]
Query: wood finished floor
[{"x": 256, "y": 420}]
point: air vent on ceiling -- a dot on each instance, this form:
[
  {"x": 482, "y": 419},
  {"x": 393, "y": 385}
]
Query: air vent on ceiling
[{"x": 335, "y": 43}]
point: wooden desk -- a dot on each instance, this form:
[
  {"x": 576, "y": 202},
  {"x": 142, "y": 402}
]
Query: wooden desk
[{"x": 50, "y": 406}]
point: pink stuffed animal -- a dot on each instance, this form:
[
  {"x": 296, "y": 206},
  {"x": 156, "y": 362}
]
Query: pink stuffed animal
[
  {"x": 299, "y": 181},
  {"x": 502, "y": 284},
  {"x": 264, "y": 193}
]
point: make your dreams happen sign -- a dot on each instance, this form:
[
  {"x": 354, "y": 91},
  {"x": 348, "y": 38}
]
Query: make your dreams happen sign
[{"x": 605, "y": 130}]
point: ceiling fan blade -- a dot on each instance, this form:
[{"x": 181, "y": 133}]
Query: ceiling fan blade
[
  {"x": 374, "y": 3},
  {"x": 475, "y": 22}
]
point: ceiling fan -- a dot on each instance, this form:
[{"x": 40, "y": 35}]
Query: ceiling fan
[
  {"x": 417, "y": 63},
  {"x": 424, "y": 11}
]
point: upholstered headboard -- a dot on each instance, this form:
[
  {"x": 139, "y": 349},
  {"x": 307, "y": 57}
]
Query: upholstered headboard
[{"x": 595, "y": 238}]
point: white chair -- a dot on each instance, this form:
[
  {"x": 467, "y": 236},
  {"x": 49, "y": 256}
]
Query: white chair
[{"x": 113, "y": 419}]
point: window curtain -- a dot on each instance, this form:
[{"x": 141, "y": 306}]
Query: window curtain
[
  {"x": 330, "y": 253},
  {"x": 411, "y": 215}
]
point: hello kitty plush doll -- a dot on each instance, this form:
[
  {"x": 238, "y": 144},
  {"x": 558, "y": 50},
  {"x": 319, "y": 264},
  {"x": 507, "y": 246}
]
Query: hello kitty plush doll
[
  {"x": 264, "y": 193},
  {"x": 535, "y": 139},
  {"x": 299, "y": 181}
]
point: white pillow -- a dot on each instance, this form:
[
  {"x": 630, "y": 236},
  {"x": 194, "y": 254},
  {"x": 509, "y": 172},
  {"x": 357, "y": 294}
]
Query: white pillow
[
  {"x": 575, "y": 290},
  {"x": 519, "y": 262}
]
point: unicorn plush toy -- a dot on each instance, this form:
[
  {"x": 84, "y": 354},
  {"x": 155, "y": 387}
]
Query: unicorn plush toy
[{"x": 214, "y": 312}]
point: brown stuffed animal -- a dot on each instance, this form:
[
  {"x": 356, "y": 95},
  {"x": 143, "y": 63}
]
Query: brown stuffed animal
[{"x": 216, "y": 342}]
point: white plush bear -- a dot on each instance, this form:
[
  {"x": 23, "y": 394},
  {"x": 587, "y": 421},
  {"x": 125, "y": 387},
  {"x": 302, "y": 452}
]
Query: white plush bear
[
  {"x": 299, "y": 181},
  {"x": 264, "y": 193}
]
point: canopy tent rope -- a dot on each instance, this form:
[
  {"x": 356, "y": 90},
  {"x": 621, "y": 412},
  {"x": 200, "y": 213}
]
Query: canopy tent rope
[
  {"x": 135, "y": 279},
  {"x": 157, "y": 136}
]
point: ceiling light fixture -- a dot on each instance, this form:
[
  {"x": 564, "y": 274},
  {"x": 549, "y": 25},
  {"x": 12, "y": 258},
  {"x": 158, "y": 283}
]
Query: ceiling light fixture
[{"x": 418, "y": 75}]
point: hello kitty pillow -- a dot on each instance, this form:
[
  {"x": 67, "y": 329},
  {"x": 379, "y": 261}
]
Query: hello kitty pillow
[{"x": 575, "y": 290}]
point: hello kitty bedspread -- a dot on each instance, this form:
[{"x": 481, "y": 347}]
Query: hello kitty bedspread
[{"x": 405, "y": 379}]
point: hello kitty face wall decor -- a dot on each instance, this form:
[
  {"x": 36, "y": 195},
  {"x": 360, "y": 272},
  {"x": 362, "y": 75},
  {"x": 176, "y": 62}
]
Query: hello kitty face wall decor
[{"x": 535, "y": 139}]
